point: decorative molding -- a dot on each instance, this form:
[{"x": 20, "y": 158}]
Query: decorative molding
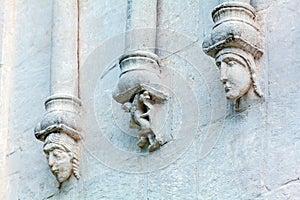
[
  {"x": 61, "y": 116},
  {"x": 235, "y": 44}
]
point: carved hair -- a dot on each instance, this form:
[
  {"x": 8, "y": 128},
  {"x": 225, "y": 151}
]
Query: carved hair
[
  {"x": 67, "y": 144},
  {"x": 249, "y": 60}
]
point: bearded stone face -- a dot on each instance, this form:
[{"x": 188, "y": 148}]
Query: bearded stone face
[
  {"x": 59, "y": 161},
  {"x": 235, "y": 75}
]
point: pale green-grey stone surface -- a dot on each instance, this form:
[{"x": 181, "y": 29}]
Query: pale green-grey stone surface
[{"x": 255, "y": 156}]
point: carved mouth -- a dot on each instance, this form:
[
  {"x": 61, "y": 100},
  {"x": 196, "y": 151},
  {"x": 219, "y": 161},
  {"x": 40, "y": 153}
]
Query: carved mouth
[
  {"x": 227, "y": 88},
  {"x": 55, "y": 171}
]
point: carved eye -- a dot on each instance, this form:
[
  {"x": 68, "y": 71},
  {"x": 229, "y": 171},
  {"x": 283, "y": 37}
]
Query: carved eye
[
  {"x": 218, "y": 64},
  {"x": 231, "y": 63},
  {"x": 55, "y": 154}
]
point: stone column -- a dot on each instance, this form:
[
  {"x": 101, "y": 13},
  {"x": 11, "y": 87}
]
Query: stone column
[
  {"x": 60, "y": 127},
  {"x": 64, "y": 60},
  {"x": 141, "y": 25}
]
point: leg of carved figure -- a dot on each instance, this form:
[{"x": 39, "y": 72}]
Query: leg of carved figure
[
  {"x": 143, "y": 137},
  {"x": 151, "y": 138},
  {"x": 143, "y": 142},
  {"x": 154, "y": 144}
]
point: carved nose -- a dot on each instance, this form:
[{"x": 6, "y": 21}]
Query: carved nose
[
  {"x": 224, "y": 80},
  {"x": 50, "y": 160},
  {"x": 224, "y": 77}
]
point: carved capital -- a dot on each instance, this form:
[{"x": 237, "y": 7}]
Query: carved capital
[
  {"x": 62, "y": 115},
  {"x": 138, "y": 69},
  {"x": 235, "y": 26}
]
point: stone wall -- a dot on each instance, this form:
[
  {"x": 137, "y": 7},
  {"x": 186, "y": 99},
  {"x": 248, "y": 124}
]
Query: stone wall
[{"x": 225, "y": 154}]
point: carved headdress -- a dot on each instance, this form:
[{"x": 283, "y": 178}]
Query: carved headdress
[
  {"x": 235, "y": 27},
  {"x": 65, "y": 143}
]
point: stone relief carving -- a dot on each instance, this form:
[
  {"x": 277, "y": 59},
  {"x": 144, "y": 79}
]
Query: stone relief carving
[
  {"x": 139, "y": 91},
  {"x": 235, "y": 44},
  {"x": 59, "y": 130},
  {"x": 237, "y": 72},
  {"x": 62, "y": 155}
]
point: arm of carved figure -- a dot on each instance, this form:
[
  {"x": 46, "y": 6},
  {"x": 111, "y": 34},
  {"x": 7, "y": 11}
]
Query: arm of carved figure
[
  {"x": 146, "y": 114},
  {"x": 145, "y": 101},
  {"x": 127, "y": 106}
]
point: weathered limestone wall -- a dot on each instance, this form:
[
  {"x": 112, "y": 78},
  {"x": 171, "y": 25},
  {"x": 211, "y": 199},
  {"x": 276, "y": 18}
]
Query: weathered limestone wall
[
  {"x": 252, "y": 154},
  {"x": 25, "y": 56}
]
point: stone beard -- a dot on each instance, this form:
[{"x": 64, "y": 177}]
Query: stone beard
[{"x": 62, "y": 156}]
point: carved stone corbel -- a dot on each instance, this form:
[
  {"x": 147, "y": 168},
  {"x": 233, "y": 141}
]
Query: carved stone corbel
[
  {"x": 235, "y": 44},
  {"x": 60, "y": 132},
  {"x": 60, "y": 127},
  {"x": 140, "y": 89}
]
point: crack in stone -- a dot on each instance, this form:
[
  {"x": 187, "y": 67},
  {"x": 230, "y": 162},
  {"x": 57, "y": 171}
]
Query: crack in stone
[
  {"x": 263, "y": 9},
  {"x": 284, "y": 185},
  {"x": 267, "y": 188},
  {"x": 108, "y": 70},
  {"x": 52, "y": 195},
  {"x": 14, "y": 151},
  {"x": 291, "y": 181},
  {"x": 182, "y": 49}
]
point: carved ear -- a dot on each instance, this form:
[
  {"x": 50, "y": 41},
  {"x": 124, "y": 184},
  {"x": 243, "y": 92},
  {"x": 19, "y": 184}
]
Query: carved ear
[{"x": 71, "y": 155}]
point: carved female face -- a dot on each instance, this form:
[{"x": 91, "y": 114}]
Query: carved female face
[
  {"x": 59, "y": 161},
  {"x": 235, "y": 75}
]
